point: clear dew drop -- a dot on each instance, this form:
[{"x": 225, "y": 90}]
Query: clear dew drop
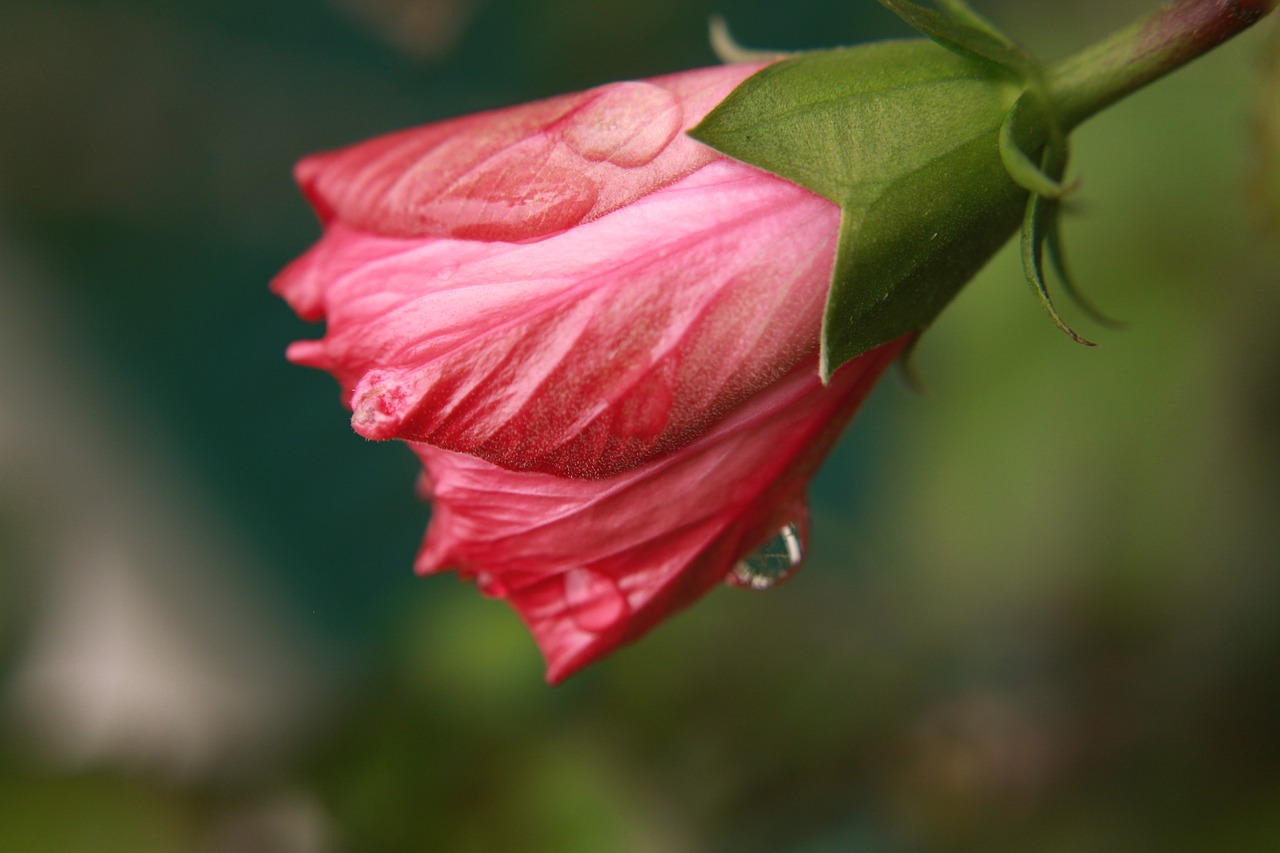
[
  {"x": 771, "y": 563},
  {"x": 491, "y": 586},
  {"x": 594, "y": 601},
  {"x": 627, "y": 124}
]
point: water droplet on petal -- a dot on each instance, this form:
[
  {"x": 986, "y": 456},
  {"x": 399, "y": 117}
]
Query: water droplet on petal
[
  {"x": 594, "y": 601},
  {"x": 491, "y": 586},
  {"x": 774, "y": 561},
  {"x": 628, "y": 124}
]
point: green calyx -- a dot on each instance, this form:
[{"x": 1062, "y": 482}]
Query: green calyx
[
  {"x": 1032, "y": 141},
  {"x": 937, "y": 150},
  {"x": 934, "y": 150}
]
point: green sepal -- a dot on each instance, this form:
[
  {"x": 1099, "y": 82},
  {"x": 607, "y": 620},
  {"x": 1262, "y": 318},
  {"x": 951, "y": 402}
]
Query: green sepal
[
  {"x": 727, "y": 49},
  {"x": 901, "y": 260},
  {"x": 1023, "y": 134},
  {"x": 909, "y": 371},
  {"x": 963, "y": 12},
  {"x": 1040, "y": 221},
  {"x": 1058, "y": 260},
  {"x": 903, "y": 136},
  {"x": 963, "y": 31}
]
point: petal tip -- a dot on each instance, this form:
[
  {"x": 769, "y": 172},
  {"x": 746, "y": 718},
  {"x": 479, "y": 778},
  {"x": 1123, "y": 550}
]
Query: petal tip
[{"x": 309, "y": 354}]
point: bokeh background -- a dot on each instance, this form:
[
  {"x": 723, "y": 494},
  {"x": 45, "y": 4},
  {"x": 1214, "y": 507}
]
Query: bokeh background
[{"x": 1041, "y": 606}]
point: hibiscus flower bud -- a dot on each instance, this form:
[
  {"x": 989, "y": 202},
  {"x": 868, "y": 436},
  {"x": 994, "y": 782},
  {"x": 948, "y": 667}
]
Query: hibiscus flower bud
[
  {"x": 602, "y": 336},
  {"x": 573, "y": 286},
  {"x": 599, "y": 335}
]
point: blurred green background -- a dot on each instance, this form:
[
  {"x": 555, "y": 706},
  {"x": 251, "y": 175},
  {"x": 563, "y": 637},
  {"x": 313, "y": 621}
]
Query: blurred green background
[{"x": 1040, "y": 609}]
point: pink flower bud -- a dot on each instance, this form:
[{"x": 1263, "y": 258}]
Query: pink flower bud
[{"x": 600, "y": 336}]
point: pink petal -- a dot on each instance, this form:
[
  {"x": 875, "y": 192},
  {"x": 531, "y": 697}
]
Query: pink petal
[
  {"x": 586, "y": 353},
  {"x": 523, "y": 172},
  {"x": 592, "y": 564}
]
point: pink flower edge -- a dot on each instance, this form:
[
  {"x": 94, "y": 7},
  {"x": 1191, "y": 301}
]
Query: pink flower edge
[
  {"x": 522, "y": 172},
  {"x": 590, "y": 565},
  {"x": 583, "y": 354}
]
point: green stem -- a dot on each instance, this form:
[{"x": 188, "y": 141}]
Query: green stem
[{"x": 1103, "y": 73}]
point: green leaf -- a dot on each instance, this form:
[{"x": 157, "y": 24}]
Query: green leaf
[{"x": 904, "y": 137}]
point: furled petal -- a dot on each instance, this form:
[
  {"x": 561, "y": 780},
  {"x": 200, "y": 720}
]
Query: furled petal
[
  {"x": 592, "y": 564},
  {"x": 583, "y": 354},
  {"x": 523, "y": 172}
]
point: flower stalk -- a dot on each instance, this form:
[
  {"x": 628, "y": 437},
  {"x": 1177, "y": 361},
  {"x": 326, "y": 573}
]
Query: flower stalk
[{"x": 1089, "y": 81}]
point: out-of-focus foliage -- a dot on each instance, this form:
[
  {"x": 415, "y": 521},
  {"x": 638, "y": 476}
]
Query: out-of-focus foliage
[
  {"x": 1266, "y": 154},
  {"x": 1040, "y": 609}
]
